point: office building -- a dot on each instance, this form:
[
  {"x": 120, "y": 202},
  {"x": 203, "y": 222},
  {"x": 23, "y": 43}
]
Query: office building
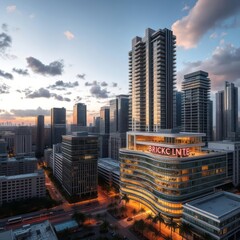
[
  {"x": 22, "y": 186},
  {"x": 104, "y": 131},
  {"x": 16, "y": 166},
  {"x": 233, "y": 150},
  {"x": 179, "y": 109},
  {"x": 80, "y": 157},
  {"x": 215, "y": 216},
  {"x": 152, "y": 100},
  {"x": 80, "y": 114},
  {"x": 58, "y": 124},
  {"x": 56, "y": 161},
  {"x": 196, "y": 115},
  {"x": 109, "y": 171},
  {"x": 40, "y": 136},
  {"x": 22, "y": 140},
  {"x": 164, "y": 170},
  {"x": 227, "y": 113},
  {"x": 118, "y": 124}
]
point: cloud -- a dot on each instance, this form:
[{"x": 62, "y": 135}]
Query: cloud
[
  {"x": 30, "y": 112},
  {"x": 69, "y": 35},
  {"x": 5, "y": 42},
  {"x": 60, "y": 85},
  {"x": 204, "y": 16},
  {"x": 87, "y": 84},
  {"x": 114, "y": 84},
  {"x": 42, "y": 92},
  {"x": 23, "y": 72},
  {"x": 98, "y": 92},
  {"x": 11, "y": 8},
  {"x": 60, "y": 98},
  {"x": 222, "y": 66},
  {"x": 185, "y": 8},
  {"x": 81, "y": 76},
  {"x": 104, "y": 84},
  {"x": 4, "y": 27},
  {"x": 6, "y": 75},
  {"x": 77, "y": 99},
  {"x": 213, "y": 35},
  {"x": 53, "y": 69},
  {"x": 4, "y": 89},
  {"x": 5, "y": 115}
]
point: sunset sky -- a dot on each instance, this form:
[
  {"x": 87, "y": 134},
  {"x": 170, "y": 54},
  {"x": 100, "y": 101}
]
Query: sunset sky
[{"x": 55, "y": 53}]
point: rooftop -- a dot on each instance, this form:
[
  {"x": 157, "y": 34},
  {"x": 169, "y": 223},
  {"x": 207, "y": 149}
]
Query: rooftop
[
  {"x": 66, "y": 225},
  {"x": 217, "y": 205}
]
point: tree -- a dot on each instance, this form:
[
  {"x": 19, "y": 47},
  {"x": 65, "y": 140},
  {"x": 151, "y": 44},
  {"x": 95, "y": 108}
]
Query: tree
[
  {"x": 134, "y": 211},
  {"x": 159, "y": 218},
  {"x": 150, "y": 217},
  {"x": 185, "y": 229},
  {"x": 125, "y": 198},
  {"x": 168, "y": 238},
  {"x": 171, "y": 224},
  {"x": 139, "y": 225}
]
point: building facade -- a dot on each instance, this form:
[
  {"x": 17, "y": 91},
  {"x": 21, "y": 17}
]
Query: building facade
[
  {"x": 216, "y": 215},
  {"x": 80, "y": 157},
  {"x": 164, "y": 170},
  {"x": 118, "y": 124},
  {"x": 22, "y": 140},
  {"x": 80, "y": 114},
  {"x": 152, "y": 102},
  {"x": 196, "y": 116},
  {"x": 22, "y": 186},
  {"x": 40, "y": 136},
  {"x": 58, "y": 124},
  {"x": 227, "y": 113}
]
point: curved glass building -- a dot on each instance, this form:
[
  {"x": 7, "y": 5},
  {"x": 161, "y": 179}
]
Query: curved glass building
[{"x": 164, "y": 170}]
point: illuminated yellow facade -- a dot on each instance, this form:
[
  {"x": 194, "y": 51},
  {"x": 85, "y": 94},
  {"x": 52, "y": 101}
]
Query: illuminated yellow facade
[{"x": 165, "y": 170}]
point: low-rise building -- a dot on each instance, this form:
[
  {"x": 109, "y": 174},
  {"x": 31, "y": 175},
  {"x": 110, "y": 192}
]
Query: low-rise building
[
  {"x": 216, "y": 215},
  {"x": 22, "y": 186}
]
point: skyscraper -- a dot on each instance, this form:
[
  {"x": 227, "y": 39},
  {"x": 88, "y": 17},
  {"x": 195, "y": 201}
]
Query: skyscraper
[
  {"x": 80, "y": 114},
  {"x": 227, "y": 112},
  {"x": 80, "y": 156},
  {"x": 118, "y": 124},
  {"x": 152, "y": 81},
  {"x": 58, "y": 124},
  {"x": 196, "y": 114},
  {"x": 40, "y": 136},
  {"x": 104, "y": 131},
  {"x": 179, "y": 109},
  {"x": 22, "y": 140}
]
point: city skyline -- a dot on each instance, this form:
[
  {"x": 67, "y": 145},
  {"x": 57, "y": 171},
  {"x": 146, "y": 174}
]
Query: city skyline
[{"x": 58, "y": 54}]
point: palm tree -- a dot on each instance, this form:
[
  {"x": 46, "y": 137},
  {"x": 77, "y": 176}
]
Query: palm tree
[
  {"x": 134, "y": 211},
  {"x": 185, "y": 229},
  {"x": 149, "y": 217},
  {"x": 125, "y": 198},
  {"x": 168, "y": 238},
  {"x": 159, "y": 218},
  {"x": 172, "y": 225}
]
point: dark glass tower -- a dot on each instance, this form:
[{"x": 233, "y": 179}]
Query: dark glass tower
[
  {"x": 80, "y": 114},
  {"x": 58, "y": 124},
  {"x": 40, "y": 136}
]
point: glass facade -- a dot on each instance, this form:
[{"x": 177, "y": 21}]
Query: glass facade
[{"x": 164, "y": 182}]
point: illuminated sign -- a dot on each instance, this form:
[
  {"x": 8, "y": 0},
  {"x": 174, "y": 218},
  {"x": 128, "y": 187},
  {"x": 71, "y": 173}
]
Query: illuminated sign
[{"x": 180, "y": 152}]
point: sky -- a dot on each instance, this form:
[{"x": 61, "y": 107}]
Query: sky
[{"x": 55, "y": 53}]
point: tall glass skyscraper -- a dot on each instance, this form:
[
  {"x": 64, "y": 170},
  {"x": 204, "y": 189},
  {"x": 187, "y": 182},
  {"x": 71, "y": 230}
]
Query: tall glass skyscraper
[
  {"x": 40, "y": 136},
  {"x": 58, "y": 124},
  {"x": 80, "y": 114},
  {"x": 227, "y": 112},
  {"x": 196, "y": 115},
  {"x": 152, "y": 81}
]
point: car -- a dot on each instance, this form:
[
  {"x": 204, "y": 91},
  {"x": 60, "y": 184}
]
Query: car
[{"x": 129, "y": 219}]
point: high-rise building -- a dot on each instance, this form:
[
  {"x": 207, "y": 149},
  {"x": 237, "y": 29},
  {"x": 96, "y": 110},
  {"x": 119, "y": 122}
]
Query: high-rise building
[
  {"x": 80, "y": 156},
  {"x": 80, "y": 114},
  {"x": 195, "y": 103},
  {"x": 152, "y": 100},
  {"x": 104, "y": 131},
  {"x": 179, "y": 109},
  {"x": 118, "y": 124},
  {"x": 227, "y": 112},
  {"x": 40, "y": 136},
  {"x": 58, "y": 124},
  {"x": 22, "y": 140}
]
